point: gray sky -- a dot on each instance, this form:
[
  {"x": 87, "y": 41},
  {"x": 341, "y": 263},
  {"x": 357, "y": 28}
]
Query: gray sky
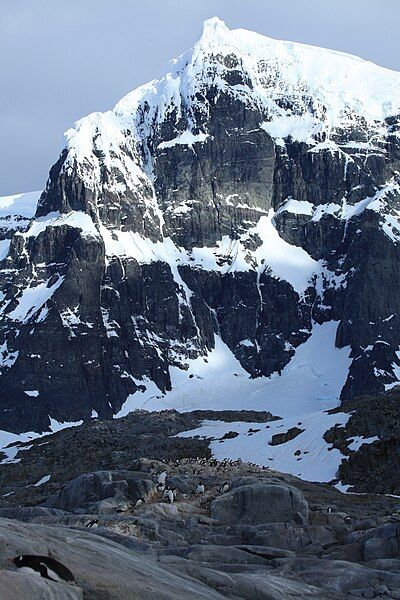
[{"x": 62, "y": 59}]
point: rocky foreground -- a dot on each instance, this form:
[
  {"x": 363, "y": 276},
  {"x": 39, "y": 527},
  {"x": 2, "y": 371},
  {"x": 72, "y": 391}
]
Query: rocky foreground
[{"x": 252, "y": 533}]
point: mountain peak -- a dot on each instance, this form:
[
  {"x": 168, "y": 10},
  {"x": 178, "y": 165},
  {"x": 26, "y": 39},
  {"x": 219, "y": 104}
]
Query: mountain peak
[{"x": 214, "y": 26}]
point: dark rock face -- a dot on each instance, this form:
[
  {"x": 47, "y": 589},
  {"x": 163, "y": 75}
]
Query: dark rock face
[
  {"x": 375, "y": 463},
  {"x": 282, "y": 438},
  {"x": 147, "y": 242}
]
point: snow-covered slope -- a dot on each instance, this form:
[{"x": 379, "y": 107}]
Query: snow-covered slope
[{"x": 20, "y": 205}]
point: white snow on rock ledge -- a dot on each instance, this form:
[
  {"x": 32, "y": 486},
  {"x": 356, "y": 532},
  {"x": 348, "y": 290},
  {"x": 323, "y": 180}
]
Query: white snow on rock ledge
[
  {"x": 42, "y": 481},
  {"x": 187, "y": 138},
  {"x": 76, "y": 219},
  {"x": 32, "y": 299}
]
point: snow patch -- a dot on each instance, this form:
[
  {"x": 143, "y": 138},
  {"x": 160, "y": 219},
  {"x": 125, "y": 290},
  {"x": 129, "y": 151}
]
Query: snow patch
[
  {"x": 23, "y": 205},
  {"x": 309, "y": 385},
  {"x": 219, "y": 382},
  {"x": 32, "y": 299},
  {"x": 359, "y": 441},
  {"x": 43, "y": 480},
  {"x": 77, "y": 219},
  {"x": 187, "y": 138},
  {"x": 297, "y": 207}
]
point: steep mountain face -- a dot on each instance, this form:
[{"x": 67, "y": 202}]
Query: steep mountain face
[{"x": 227, "y": 212}]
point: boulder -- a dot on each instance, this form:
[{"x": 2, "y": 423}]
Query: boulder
[
  {"x": 260, "y": 503},
  {"x": 89, "y": 488},
  {"x": 376, "y": 548}
]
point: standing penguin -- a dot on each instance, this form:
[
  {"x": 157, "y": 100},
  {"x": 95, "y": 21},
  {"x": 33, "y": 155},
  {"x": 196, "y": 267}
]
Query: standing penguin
[
  {"x": 224, "y": 488},
  {"x": 45, "y": 566},
  {"x": 200, "y": 488},
  {"x": 92, "y": 523},
  {"x": 169, "y": 495},
  {"x": 162, "y": 478}
]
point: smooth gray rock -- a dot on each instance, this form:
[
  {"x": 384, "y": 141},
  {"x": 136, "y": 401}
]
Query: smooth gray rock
[
  {"x": 260, "y": 585},
  {"x": 339, "y": 576},
  {"x": 259, "y": 503},
  {"x": 89, "y": 488},
  {"x": 376, "y": 548},
  {"x": 22, "y": 586},
  {"x": 287, "y": 536},
  {"x": 101, "y": 567}
]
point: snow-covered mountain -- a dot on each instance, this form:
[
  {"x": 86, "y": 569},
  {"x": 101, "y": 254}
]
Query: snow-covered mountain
[{"x": 225, "y": 237}]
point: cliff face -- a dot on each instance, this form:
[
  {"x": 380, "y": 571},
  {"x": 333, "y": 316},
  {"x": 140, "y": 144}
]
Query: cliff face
[{"x": 250, "y": 196}]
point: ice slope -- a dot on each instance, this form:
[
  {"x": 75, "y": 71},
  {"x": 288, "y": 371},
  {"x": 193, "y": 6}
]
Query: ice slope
[{"x": 219, "y": 382}]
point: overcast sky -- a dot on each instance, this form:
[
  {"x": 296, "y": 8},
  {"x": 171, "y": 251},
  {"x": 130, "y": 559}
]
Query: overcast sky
[{"x": 62, "y": 59}]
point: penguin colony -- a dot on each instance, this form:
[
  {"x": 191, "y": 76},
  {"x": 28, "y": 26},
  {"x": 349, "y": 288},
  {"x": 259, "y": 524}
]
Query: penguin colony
[
  {"x": 196, "y": 466},
  {"x": 192, "y": 466}
]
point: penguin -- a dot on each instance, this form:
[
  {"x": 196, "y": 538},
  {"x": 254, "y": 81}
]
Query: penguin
[
  {"x": 162, "y": 478},
  {"x": 224, "y": 488},
  {"x": 138, "y": 503},
  {"x": 45, "y": 566},
  {"x": 92, "y": 523},
  {"x": 170, "y": 494},
  {"x": 200, "y": 488},
  {"x": 160, "y": 488}
]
